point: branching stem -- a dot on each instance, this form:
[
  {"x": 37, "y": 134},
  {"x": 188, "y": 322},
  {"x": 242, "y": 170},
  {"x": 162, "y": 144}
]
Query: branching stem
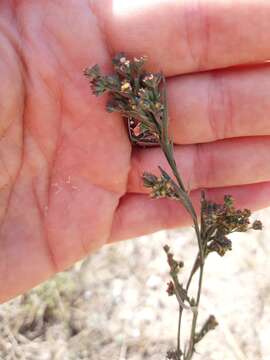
[{"x": 137, "y": 96}]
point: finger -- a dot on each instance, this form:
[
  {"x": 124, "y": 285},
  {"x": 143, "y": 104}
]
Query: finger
[
  {"x": 222, "y": 104},
  {"x": 187, "y": 36},
  {"x": 138, "y": 215},
  {"x": 223, "y": 163}
]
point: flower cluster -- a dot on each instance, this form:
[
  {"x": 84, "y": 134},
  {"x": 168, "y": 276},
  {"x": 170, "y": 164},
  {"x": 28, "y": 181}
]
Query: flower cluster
[
  {"x": 220, "y": 220},
  {"x": 134, "y": 93},
  {"x": 175, "y": 265},
  {"x": 161, "y": 187},
  {"x": 170, "y": 288},
  {"x": 225, "y": 216},
  {"x": 210, "y": 324}
]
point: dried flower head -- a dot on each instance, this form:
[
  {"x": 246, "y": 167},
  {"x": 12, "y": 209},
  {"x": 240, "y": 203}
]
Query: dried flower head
[
  {"x": 220, "y": 244},
  {"x": 224, "y": 217},
  {"x": 257, "y": 225},
  {"x": 170, "y": 288},
  {"x": 134, "y": 93},
  {"x": 220, "y": 220},
  {"x": 161, "y": 187},
  {"x": 210, "y": 324},
  {"x": 175, "y": 266}
]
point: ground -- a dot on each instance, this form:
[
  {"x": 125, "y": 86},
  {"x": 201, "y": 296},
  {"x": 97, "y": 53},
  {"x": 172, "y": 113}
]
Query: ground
[{"x": 114, "y": 304}]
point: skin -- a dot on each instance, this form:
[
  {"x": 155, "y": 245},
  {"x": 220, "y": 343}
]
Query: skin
[{"x": 69, "y": 180}]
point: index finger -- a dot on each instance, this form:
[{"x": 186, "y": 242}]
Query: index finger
[{"x": 189, "y": 35}]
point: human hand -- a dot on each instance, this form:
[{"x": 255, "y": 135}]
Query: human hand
[{"x": 69, "y": 179}]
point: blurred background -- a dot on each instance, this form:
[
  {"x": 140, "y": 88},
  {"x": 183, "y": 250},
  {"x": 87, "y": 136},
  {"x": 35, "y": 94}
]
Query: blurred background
[{"x": 114, "y": 305}]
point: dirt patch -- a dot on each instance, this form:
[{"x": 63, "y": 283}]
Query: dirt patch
[{"x": 114, "y": 305}]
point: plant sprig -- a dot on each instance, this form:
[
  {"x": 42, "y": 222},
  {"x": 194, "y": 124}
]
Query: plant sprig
[{"x": 140, "y": 97}]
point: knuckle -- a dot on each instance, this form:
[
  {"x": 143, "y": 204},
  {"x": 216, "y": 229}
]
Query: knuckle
[
  {"x": 203, "y": 166},
  {"x": 220, "y": 109},
  {"x": 197, "y": 28}
]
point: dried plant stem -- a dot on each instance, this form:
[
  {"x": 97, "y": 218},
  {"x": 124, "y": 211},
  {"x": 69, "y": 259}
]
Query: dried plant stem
[
  {"x": 189, "y": 206},
  {"x": 179, "y": 329},
  {"x": 137, "y": 96},
  {"x": 191, "y": 348},
  {"x": 167, "y": 149},
  {"x": 193, "y": 271}
]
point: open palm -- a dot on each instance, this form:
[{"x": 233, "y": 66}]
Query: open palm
[{"x": 69, "y": 179}]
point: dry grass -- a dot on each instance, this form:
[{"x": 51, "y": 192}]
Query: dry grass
[{"x": 114, "y": 305}]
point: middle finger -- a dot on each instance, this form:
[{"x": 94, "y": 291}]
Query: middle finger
[
  {"x": 222, "y": 104},
  {"x": 222, "y": 163}
]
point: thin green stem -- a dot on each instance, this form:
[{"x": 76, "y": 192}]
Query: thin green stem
[
  {"x": 191, "y": 349},
  {"x": 200, "y": 256},
  {"x": 193, "y": 271},
  {"x": 179, "y": 330},
  {"x": 167, "y": 148}
]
